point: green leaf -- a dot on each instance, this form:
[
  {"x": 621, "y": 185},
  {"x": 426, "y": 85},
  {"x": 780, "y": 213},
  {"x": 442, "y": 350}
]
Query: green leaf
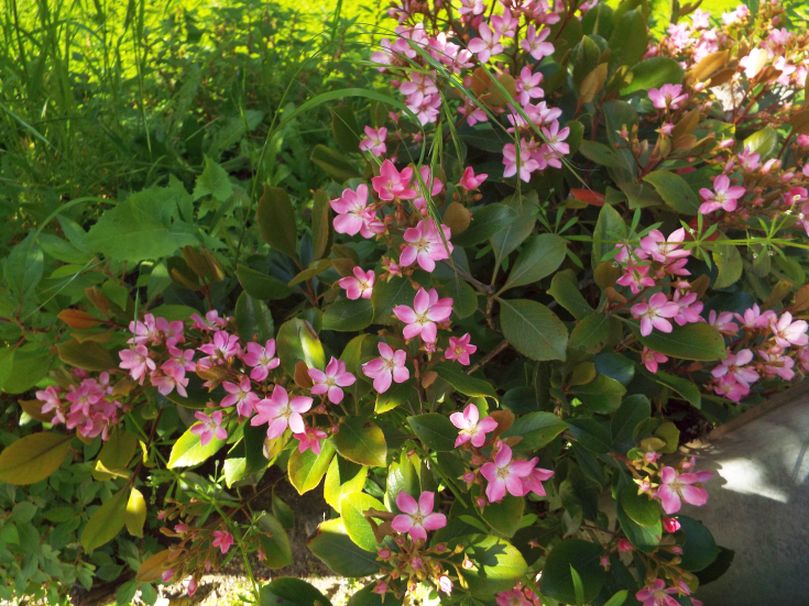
[
  {"x": 602, "y": 395},
  {"x": 288, "y": 591},
  {"x": 565, "y": 291},
  {"x": 144, "y": 226},
  {"x": 135, "y": 513},
  {"x": 675, "y": 191},
  {"x": 537, "y": 429},
  {"x": 33, "y": 458},
  {"x": 306, "y": 469},
  {"x": 533, "y": 329},
  {"x": 344, "y": 128},
  {"x": 540, "y": 257},
  {"x": 21, "y": 369},
  {"x": 684, "y": 387},
  {"x": 645, "y": 538},
  {"x": 610, "y": 230},
  {"x": 234, "y": 468},
  {"x": 699, "y": 547},
  {"x": 87, "y": 355},
  {"x": 629, "y": 38},
  {"x": 557, "y": 581},
  {"x": 334, "y": 163},
  {"x": 640, "y": 508},
  {"x": 23, "y": 267},
  {"x": 618, "y": 598},
  {"x": 507, "y": 240},
  {"x": 338, "y": 485},
  {"x": 600, "y": 154},
  {"x": 635, "y": 410},
  {"x": 386, "y": 295},
  {"x": 464, "y": 383},
  {"x": 320, "y": 224},
  {"x": 357, "y": 526},
  {"x": 497, "y": 565},
  {"x": 700, "y": 342},
  {"x": 274, "y": 541},
  {"x": 348, "y": 316},
  {"x": 590, "y": 334},
  {"x": 368, "y": 597},
  {"x": 762, "y": 141},
  {"x": 728, "y": 261},
  {"x": 261, "y": 285},
  {"x": 486, "y": 221},
  {"x": 276, "y": 221},
  {"x": 652, "y": 73},
  {"x": 434, "y": 430},
  {"x": 189, "y": 451},
  {"x": 361, "y": 441},
  {"x": 298, "y": 340},
  {"x": 253, "y": 319},
  {"x": 213, "y": 181},
  {"x": 106, "y": 521},
  {"x": 506, "y": 516},
  {"x": 332, "y": 545}
]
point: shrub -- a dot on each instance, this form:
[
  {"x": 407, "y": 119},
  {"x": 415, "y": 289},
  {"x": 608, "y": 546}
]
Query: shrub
[{"x": 565, "y": 251}]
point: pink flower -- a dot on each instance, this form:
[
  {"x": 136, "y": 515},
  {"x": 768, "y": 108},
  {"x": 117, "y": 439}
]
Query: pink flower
[
  {"x": 668, "y": 96},
  {"x": 331, "y": 380},
  {"x": 787, "y": 333},
  {"x": 261, "y": 359},
  {"x": 459, "y": 349},
  {"x": 445, "y": 584},
  {"x": 656, "y": 594},
  {"x": 635, "y": 276},
  {"x": 533, "y": 482},
  {"x": 723, "y": 322},
  {"x": 310, "y": 439},
  {"x": 137, "y": 361},
  {"x": 209, "y": 427},
  {"x": 392, "y": 184},
  {"x": 526, "y": 165},
  {"x": 654, "y": 314},
  {"x": 671, "y": 525},
  {"x": 733, "y": 376},
  {"x": 471, "y": 427},
  {"x": 663, "y": 249},
  {"x": 210, "y": 322},
  {"x": 280, "y": 412},
  {"x": 505, "y": 475},
  {"x": 354, "y": 216},
  {"x": 241, "y": 395},
  {"x": 534, "y": 43},
  {"x": 221, "y": 349},
  {"x": 470, "y": 181},
  {"x": 374, "y": 140},
  {"x": 389, "y": 367},
  {"x": 424, "y": 245},
  {"x": 487, "y": 45},
  {"x": 724, "y": 196},
  {"x": 417, "y": 517},
  {"x": 677, "y": 487},
  {"x": 223, "y": 540},
  {"x": 651, "y": 359},
  {"x": 421, "y": 319},
  {"x": 358, "y": 286}
]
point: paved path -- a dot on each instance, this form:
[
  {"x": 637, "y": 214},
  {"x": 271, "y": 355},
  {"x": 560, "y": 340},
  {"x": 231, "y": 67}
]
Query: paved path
[{"x": 759, "y": 504}]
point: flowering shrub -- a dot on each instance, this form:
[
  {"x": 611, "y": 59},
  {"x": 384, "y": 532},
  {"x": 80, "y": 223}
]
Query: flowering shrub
[{"x": 566, "y": 250}]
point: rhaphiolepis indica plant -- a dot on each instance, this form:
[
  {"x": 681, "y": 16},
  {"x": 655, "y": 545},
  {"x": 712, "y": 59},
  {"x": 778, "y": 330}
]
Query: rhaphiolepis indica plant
[{"x": 556, "y": 251}]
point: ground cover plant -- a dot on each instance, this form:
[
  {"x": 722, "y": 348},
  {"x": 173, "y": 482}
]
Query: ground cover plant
[{"x": 535, "y": 251}]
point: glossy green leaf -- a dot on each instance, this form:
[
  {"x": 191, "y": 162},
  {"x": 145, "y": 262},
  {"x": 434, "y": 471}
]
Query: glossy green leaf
[
  {"x": 274, "y": 541},
  {"x": 434, "y": 430},
  {"x": 652, "y": 73},
  {"x": 486, "y": 221},
  {"x": 106, "y": 522},
  {"x": 253, "y": 319},
  {"x": 88, "y": 355},
  {"x": 700, "y": 342},
  {"x": 497, "y": 565},
  {"x": 565, "y": 291},
  {"x": 610, "y": 230},
  {"x": 357, "y": 526},
  {"x": 33, "y": 458},
  {"x": 533, "y": 329},
  {"x": 348, "y": 316},
  {"x": 361, "y": 441},
  {"x": 675, "y": 191},
  {"x": 537, "y": 429},
  {"x": 464, "y": 383},
  {"x": 602, "y": 395},
  {"x": 557, "y": 582},
  {"x": 260, "y": 285},
  {"x": 188, "y": 451},
  {"x": 539, "y": 257},
  {"x": 288, "y": 591},
  {"x": 275, "y": 216},
  {"x": 306, "y": 469},
  {"x": 332, "y": 545}
]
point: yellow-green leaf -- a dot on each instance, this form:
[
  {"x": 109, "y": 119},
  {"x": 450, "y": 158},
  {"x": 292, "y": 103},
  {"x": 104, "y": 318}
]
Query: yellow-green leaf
[
  {"x": 106, "y": 522},
  {"x": 33, "y": 458},
  {"x": 135, "y": 514}
]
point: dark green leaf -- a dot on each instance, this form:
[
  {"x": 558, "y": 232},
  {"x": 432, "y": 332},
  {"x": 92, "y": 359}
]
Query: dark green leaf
[
  {"x": 675, "y": 191},
  {"x": 275, "y": 216},
  {"x": 348, "y": 316},
  {"x": 434, "y": 430},
  {"x": 486, "y": 221},
  {"x": 361, "y": 441},
  {"x": 253, "y": 319},
  {"x": 700, "y": 342},
  {"x": 533, "y": 329},
  {"x": 652, "y": 73},
  {"x": 332, "y": 545},
  {"x": 539, "y": 257},
  {"x": 557, "y": 582}
]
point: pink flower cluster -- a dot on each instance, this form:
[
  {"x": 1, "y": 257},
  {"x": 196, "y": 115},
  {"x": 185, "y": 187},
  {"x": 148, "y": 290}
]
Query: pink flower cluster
[
  {"x": 656, "y": 593},
  {"x": 765, "y": 345},
  {"x": 90, "y": 406},
  {"x": 507, "y": 35}
]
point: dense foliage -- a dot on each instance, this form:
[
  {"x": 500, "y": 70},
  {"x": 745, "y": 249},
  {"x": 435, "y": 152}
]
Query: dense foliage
[{"x": 484, "y": 313}]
